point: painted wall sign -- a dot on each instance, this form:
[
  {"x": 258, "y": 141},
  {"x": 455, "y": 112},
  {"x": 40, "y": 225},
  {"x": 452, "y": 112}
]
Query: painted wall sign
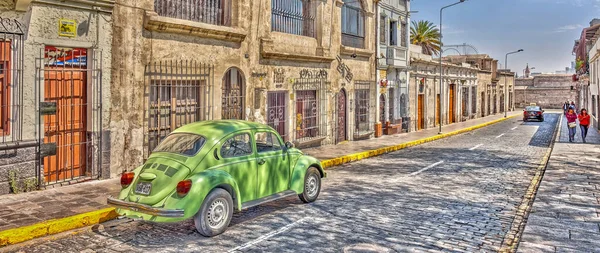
[
  {"x": 279, "y": 76},
  {"x": 67, "y": 28},
  {"x": 344, "y": 70},
  {"x": 319, "y": 74}
]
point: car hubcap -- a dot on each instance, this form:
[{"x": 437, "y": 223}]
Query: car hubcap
[
  {"x": 217, "y": 213},
  {"x": 312, "y": 186}
]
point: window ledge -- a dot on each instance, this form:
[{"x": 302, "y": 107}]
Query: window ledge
[
  {"x": 360, "y": 52},
  {"x": 154, "y": 22},
  {"x": 267, "y": 51}
]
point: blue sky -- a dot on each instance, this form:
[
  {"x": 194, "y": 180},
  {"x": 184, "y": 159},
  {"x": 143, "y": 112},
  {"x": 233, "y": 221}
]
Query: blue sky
[{"x": 545, "y": 29}]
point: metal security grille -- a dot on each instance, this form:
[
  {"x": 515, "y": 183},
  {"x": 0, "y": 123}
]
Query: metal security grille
[
  {"x": 233, "y": 95},
  {"x": 70, "y": 112},
  {"x": 11, "y": 81},
  {"x": 276, "y": 112},
  {"x": 473, "y": 101},
  {"x": 293, "y": 16},
  {"x": 216, "y": 12},
  {"x": 363, "y": 106},
  {"x": 179, "y": 92},
  {"x": 392, "y": 106},
  {"x": 465, "y": 103},
  {"x": 310, "y": 108}
]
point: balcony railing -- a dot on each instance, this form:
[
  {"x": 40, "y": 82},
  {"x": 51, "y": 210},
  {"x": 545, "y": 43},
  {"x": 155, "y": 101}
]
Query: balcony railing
[
  {"x": 215, "y": 12},
  {"x": 353, "y": 41},
  {"x": 293, "y": 16}
]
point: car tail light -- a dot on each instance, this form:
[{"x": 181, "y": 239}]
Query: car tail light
[
  {"x": 539, "y": 113},
  {"x": 127, "y": 179},
  {"x": 184, "y": 187}
]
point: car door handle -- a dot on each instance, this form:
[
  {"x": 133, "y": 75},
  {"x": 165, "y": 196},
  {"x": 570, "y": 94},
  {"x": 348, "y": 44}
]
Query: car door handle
[{"x": 261, "y": 161}]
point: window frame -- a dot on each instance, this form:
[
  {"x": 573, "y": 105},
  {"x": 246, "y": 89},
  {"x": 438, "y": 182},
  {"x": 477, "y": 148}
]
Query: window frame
[
  {"x": 250, "y": 139},
  {"x": 164, "y": 8},
  {"x": 202, "y": 137},
  {"x": 273, "y": 134}
]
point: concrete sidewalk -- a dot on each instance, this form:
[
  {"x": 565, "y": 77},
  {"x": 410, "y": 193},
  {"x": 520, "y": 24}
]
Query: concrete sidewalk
[
  {"x": 30, "y": 215},
  {"x": 566, "y": 213}
]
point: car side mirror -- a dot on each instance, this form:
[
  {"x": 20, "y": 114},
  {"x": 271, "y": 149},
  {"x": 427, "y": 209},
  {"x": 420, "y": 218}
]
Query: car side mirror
[{"x": 289, "y": 145}]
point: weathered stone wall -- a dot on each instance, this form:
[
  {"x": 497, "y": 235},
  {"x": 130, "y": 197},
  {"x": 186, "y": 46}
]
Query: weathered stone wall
[
  {"x": 16, "y": 166},
  {"x": 258, "y": 55},
  {"x": 547, "y": 91}
]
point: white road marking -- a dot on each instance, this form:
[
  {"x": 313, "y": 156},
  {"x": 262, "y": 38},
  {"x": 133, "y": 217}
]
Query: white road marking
[
  {"x": 513, "y": 128},
  {"x": 267, "y": 236},
  {"x": 473, "y": 148},
  {"x": 426, "y": 168},
  {"x": 499, "y": 136}
]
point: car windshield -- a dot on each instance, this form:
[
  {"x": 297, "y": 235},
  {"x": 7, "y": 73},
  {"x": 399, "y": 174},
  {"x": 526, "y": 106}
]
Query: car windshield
[
  {"x": 181, "y": 143},
  {"x": 532, "y": 108}
]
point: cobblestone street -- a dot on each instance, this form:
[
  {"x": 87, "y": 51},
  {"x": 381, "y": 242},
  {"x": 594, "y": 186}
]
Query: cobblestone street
[{"x": 458, "y": 194}]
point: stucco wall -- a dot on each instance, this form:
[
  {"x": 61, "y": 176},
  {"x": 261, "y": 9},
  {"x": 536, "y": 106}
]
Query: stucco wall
[
  {"x": 548, "y": 91},
  {"x": 136, "y": 46}
]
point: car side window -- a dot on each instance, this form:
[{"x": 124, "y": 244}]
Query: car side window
[
  {"x": 236, "y": 146},
  {"x": 266, "y": 142}
]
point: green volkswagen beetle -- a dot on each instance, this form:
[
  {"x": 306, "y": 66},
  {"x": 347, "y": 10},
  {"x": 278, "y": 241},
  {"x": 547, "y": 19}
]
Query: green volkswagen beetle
[{"x": 208, "y": 169}]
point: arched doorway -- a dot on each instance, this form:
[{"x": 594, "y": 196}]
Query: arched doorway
[
  {"x": 341, "y": 116},
  {"x": 233, "y": 95}
]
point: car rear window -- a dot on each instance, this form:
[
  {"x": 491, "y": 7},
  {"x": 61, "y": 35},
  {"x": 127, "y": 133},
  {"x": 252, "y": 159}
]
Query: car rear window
[
  {"x": 532, "y": 108},
  {"x": 181, "y": 143}
]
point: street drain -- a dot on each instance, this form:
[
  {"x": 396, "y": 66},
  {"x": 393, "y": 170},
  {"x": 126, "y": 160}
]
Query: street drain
[{"x": 366, "y": 248}]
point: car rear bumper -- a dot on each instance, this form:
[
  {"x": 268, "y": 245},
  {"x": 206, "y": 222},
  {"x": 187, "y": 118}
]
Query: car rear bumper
[{"x": 145, "y": 209}]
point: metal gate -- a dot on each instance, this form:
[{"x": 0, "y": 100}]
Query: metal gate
[
  {"x": 311, "y": 117},
  {"x": 276, "y": 112},
  {"x": 69, "y": 103},
  {"x": 233, "y": 95},
  {"x": 11, "y": 81},
  {"x": 179, "y": 92}
]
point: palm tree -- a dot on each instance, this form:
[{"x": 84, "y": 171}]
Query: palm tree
[{"x": 427, "y": 35}]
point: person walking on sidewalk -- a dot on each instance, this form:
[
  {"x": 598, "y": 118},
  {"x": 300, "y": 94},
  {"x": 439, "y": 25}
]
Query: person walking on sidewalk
[
  {"x": 584, "y": 123},
  {"x": 565, "y": 107},
  {"x": 572, "y": 106},
  {"x": 572, "y": 123}
]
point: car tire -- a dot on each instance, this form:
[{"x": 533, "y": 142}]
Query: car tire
[
  {"x": 312, "y": 185},
  {"x": 215, "y": 213}
]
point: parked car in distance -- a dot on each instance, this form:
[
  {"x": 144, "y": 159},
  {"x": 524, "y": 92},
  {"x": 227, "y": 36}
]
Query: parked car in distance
[
  {"x": 533, "y": 112},
  {"x": 206, "y": 170}
]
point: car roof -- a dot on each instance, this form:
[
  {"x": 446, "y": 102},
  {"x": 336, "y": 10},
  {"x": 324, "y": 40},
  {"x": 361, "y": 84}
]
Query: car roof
[{"x": 219, "y": 127}]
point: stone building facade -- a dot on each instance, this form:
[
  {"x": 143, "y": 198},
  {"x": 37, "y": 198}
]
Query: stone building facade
[
  {"x": 547, "y": 91},
  {"x": 393, "y": 37},
  {"x": 458, "y": 101},
  {"x": 307, "y": 68},
  {"x": 55, "y": 76},
  {"x": 588, "y": 74}
]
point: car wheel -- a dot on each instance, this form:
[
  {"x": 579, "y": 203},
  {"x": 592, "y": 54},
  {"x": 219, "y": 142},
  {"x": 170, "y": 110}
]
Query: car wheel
[
  {"x": 312, "y": 185},
  {"x": 215, "y": 213}
]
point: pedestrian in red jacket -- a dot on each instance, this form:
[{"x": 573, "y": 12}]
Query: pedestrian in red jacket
[
  {"x": 572, "y": 123},
  {"x": 584, "y": 123}
]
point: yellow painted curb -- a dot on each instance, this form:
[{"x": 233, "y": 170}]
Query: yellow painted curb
[
  {"x": 380, "y": 151},
  {"x": 55, "y": 226},
  {"x": 50, "y": 227}
]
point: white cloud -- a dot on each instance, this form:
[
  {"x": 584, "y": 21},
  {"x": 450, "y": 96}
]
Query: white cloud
[{"x": 568, "y": 28}]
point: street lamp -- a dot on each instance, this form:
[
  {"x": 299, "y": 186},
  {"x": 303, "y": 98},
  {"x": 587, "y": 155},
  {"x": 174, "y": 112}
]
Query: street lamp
[
  {"x": 441, "y": 67},
  {"x": 505, "y": 84}
]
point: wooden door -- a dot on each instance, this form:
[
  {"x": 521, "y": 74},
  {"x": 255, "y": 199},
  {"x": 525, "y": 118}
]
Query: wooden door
[
  {"x": 451, "y": 105},
  {"x": 420, "y": 114},
  {"x": 483, "y": 104},
  {"x": 68, "y": 127},
  {"x": 437, "y": 110}
]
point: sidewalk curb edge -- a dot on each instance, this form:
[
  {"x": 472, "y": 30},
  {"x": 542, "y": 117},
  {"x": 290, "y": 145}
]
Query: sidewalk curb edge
[
  {"x": 380, "y": 151},
  {"x": 55, "y": 226}
]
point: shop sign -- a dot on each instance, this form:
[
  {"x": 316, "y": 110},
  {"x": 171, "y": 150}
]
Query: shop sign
[
  {"x": 344, "y": 70},
  {"x": 317, "y": 74}
]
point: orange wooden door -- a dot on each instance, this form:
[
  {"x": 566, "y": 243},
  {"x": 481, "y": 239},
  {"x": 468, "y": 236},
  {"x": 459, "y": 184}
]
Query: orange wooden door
[
  {"x": 437, "y": 110},
  {"x": 451, "y": 105},
  {"x": 67, "y": 128},
  {"x": 420, "y": 118}
]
